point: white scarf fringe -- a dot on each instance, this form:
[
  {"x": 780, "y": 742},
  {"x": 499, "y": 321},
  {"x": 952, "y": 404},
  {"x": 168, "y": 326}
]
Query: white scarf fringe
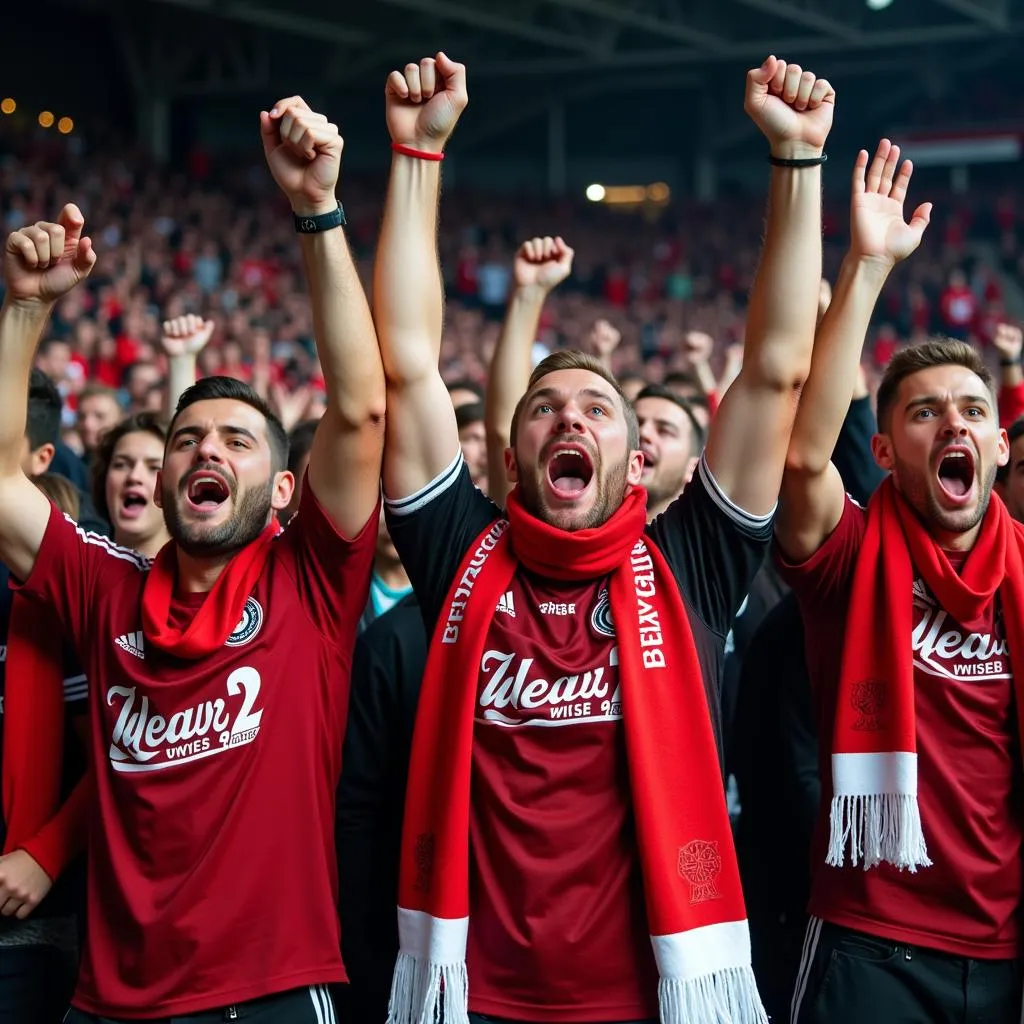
[
  {"x": 879, "y": 827},
  {"x": 420, "y": 988},
  {"x": 728, "y": 996}
]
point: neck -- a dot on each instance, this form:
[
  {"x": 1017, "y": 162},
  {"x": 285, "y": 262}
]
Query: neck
[
  {"x": 956, "y": 541},
  {"x": 390, "y": 572},
  {"x": 198, "y": 575},
  {"x": 655, "y": 508}
]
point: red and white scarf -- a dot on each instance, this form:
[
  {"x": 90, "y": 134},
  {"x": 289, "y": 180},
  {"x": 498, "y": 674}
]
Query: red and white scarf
[
  {"x": 691, "y": 881},
  {"x": 874, "y": 746}
]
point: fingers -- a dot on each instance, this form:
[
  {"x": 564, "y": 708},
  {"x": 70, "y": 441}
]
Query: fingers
[
  {"x": 889, "y": 170},
  {"x": 778, "y": 80},
  {"x": 72, "y": 221},
  {"x": 412, "y": 80},
  {"x": 803, "y": 92},
  {"x": 541, "y": 250},
  {"x": 428, "y": 77},
  {"x": 397, "y": 85},
  {"x": 85, "y": 257},
  {"x": 902, "y": 182},
  {"x": 859, "y": 168},
  {"x": 874, "y": 175},
  {"x": 291, "y": 122},
  {"x": 821, "y": 93}
]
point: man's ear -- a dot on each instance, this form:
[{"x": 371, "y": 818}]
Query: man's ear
[{"x": 40, "y": 459}]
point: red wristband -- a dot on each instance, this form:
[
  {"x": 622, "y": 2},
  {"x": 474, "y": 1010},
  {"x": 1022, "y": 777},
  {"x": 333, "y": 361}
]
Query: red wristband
[{"x": 419, "y": 154}]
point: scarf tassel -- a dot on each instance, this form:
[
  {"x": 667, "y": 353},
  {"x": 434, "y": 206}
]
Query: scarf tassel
[
  {"x": 421, "y": 988},
  {"x": 878, "y": 827},
  {"x": 728, "y": 996}
]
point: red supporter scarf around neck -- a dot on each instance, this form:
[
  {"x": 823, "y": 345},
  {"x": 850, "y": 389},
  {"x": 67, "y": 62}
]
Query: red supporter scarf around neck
[
  {"x": 221, "y": 609},
  {"x": 874, "y": 761},
  {"x": 52, "y": 833},
  {"x": 694, "y": 901}
]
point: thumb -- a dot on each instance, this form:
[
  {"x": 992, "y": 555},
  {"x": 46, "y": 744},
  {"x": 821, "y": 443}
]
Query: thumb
[
  {"x": 454, "y": 74},
  {"x": 72, "y": 221},
  {"x": 763, "y": 74},
  {"x": 268, "y": 133},
  {"x": 922, "y": 218}
]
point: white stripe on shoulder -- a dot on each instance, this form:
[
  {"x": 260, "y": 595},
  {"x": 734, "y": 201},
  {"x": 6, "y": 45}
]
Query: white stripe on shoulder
[
  {"x": 114, "y": 550},
  {"x": 721, "y": 499},
  {"x": 425, "y": 495}
]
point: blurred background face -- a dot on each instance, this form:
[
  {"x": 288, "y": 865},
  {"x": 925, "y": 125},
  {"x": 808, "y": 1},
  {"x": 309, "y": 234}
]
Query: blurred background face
[
  {"x": 131, "y": 486},
  {"x": 666, "y": 440},
  {"x": 1013, "y": 490},
  {"x": 96, "y": 414},
  {"x": 217, "y": 485},
  {"x": 571, "y": 456}
]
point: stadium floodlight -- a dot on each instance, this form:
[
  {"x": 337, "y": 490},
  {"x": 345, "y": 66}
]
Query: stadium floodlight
[
  {"x": 878, "y": 5},
  {"x": 595, "y": 193}
]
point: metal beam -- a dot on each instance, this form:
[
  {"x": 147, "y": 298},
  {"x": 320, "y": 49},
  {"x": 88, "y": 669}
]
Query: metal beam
[
  {"x": 991, "y": 14},
  {"x": 480, "y": 17},
  {"x": 610, "y": 10},
  {"x": 746, "y": 50},
  {"x": 282, "y": 20},
  {"x": 806, "y": 16}
]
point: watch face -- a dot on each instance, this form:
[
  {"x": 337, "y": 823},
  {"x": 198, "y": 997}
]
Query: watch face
[{"x": 308, "y": 224}]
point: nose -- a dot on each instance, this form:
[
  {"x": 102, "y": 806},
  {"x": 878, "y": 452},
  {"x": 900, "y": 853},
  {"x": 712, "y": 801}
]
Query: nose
[
  {"x": 647, "y": 433},
  {"x": 208, "y": 449},
  {"x": 569, "y": 419},
  {"x": 135, "y": 473},
  {"x": 955, "y": 425}
]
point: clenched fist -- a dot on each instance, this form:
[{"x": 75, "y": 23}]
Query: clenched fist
[
  {"x": 23, "y": 884},
  {"x": 424, "y": 101},
  {"x": 542, "y": 263},
  {"x": 792, "y": 107},
  {"x": 1009, "y": 341},
  {"x": 186, "y": 335},
  {"x": 44, "y": 261},
  {"x": 303, "y": 151}
]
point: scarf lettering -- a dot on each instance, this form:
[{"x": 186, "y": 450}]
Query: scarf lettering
[
  {"x": 143, "y": 741},
  {"x": 457, "y": 603},
  {"x": 650, "y": 625}
]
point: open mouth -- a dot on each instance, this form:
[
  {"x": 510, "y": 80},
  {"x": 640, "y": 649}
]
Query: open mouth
[
  {"x": 207, "y": 491},
  {"x": 133, "y": 504},
  {"x": 649, "y": 461},
  {"x": 569, "y": 471},
  {"x": 956, "y": 474}
]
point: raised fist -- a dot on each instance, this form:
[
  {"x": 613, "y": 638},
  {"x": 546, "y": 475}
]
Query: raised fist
[
  {"x": 303, "y": 151},
  {"x": 697, "y": 347},
  {"x": 604, "y": 338},
  {"x": 877, "y": 229},
  {"x": 1008, "y": 341},
  {"x": 186, "y": 335},
  {"x": 542, "y": 263},
  {"x": 791, "y": 106},
  {"x": 44, "y": 261},
  {"x": 423, "y": 103}
]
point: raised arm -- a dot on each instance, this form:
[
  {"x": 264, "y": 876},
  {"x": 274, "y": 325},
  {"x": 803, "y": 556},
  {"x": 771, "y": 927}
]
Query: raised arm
[
  {"x": 812, "y": 489},
  {"x": 540, "y": 265},
  {"x": 423, "y": 104},
  {"x": 40, "y": 263},
  {"x": 749, "y": 435},
  {"x": 304, "y": 155},
  {"x": 182, "y": 339}
]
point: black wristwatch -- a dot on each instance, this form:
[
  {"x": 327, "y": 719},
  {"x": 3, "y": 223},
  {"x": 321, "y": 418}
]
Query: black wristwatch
[
  {"x": 322, "y": 222},
  {"x": 1003, "y": 361}
]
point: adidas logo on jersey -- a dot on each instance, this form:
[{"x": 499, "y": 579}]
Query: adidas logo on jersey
[
  {"x": 507, "y": 604},
  {"x": 133, "y": 643}
]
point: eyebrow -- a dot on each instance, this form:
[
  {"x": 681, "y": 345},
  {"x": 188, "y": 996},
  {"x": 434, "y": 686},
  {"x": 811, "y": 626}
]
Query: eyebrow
[
  {"x": 555, "y": 393},
  {"x": 227, "y": 429},
  {"x": 937, "y": 400}
]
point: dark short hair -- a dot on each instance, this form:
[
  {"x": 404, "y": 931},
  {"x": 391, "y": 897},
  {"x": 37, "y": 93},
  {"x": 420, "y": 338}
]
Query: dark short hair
[
  {"x": 97, "y": 391},
  {"x": 212, "y": 388},
  {"x": 465, "y": 384},
  {"x": 472, "y": 412},
  {"x": 661, "y": 391},
  {"x": 300, "y": 443},
  {"x": 61, "y": 491},
  {"x": 1016, "y": 431},
  {"x": 932, "y": 353},
  {"x": 570, "y": 359},
  {"x": 42, "y": 425},
  {"x": 139, "y": 423}
]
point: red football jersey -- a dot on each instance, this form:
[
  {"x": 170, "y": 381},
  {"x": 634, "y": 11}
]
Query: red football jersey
[
  {"x": 212, "y": 871},
  {"x": 969, "y": 770}
]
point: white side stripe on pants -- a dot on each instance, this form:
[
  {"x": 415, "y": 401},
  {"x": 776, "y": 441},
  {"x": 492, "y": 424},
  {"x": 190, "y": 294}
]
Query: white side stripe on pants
[
  {"x": 806, "y": 962},
  {"x": 322, "y": 1004}
]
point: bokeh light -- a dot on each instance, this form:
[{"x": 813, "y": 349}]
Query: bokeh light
[
  {"x": 65, "y": 126},
  {"x": 8, "y": 106},
  {"x": 46, "y": 119}
]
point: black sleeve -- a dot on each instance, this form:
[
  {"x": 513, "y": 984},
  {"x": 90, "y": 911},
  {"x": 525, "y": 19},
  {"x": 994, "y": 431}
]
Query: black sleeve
[
  {"x": 434, "y": 528},
  {"x": 852, "y": 454},
  {"x": 387, "y": 670},
  {"x": 714, "y": 548}
]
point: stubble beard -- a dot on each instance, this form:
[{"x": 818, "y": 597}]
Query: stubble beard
[{"x": 246, "y": 523}]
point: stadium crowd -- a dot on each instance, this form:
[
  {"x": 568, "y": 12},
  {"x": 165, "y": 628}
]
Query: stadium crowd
[{"x": 331, "y": 584}]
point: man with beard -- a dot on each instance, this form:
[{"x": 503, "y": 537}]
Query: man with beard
[
  {"x": 220, "y": 669},
  {"x": 671, "y": 440},
  {"x": 913, "y": 612},
  {"x": 590, "y": 832}
]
